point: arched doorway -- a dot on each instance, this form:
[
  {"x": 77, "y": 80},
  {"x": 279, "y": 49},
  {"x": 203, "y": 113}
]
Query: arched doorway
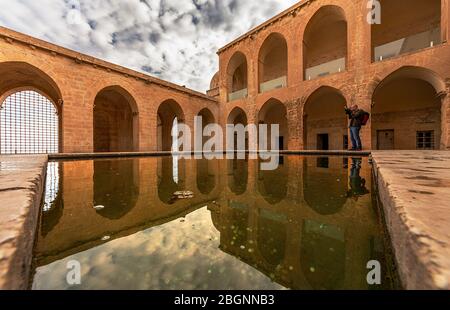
[
  {"x": 325, "y": 43},
  {"x": 325, "y": 125},
  {"x": 115, "y": 121},
  {"x": 273, "y": 63},
  {"x": 170, "y": 114},
  {"x": 406, "y": 26},
  {"x": 238, "y": 117},
  {"x": 30, "y": 109},
  {"x": 273, "y": 112},
  {"x": 406, "y": 112},
  {"x": 207, "y": 119},
  {"x": 237, "y": 77}
]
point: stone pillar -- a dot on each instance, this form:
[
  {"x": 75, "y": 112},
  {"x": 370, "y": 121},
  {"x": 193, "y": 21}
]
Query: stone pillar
[
  {"x": 445, "y": 123},
  {"x": 295, "y": 63},
  {"x": 252, "y": 76},
  {"x": 77, "y": 125},
  {"x": 294, "y": 117},
  {"x": 445, "y": 23}
]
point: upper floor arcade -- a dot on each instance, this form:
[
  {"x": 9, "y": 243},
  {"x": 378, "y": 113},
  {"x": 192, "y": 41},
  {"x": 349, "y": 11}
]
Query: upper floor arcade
[{"x": 319, "y": 38}]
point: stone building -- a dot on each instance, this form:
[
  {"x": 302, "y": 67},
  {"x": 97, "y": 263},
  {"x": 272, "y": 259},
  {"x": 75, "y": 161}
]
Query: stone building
[
  {"x": 306, "y": 64},
  {"x": 298, "y": 69}
]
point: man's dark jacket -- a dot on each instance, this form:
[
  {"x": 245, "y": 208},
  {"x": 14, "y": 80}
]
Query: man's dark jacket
[{"x": 355, "y": 117}]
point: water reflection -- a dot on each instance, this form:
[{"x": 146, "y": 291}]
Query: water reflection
[
  {"x": 206, "y": 176},
  {"x": 53, "y": 207},
  {"x": 323, "y": 255},
  {"x": 171, "y": 178},
  {"x": 291, "y": 228},
  {"x": 272, "y": 236},
  {"x": 357, "y": 183},
  {"x": 237, "y": 176},
  {"x": 116, "y": 187},
  {"x": 325, "y": 184},
  {"x": 273, "y": 184}
]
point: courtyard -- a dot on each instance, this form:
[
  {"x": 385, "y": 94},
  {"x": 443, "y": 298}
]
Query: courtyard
[{"x": 94, "y": 180}]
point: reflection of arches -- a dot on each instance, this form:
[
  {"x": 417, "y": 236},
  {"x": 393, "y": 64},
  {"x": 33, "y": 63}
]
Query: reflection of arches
[
  {"x": 325, "y": 42},
  {"x": 324, "y": 120},
  {"x": 273, "y": 112},
  {"x": 168, "y": 112},
  {"x": 237, "y": 176},
  {"x": 116, "y": 187},
  {"x": 332, "y": 181},
  {"x": 238, "y": 224},
  {"x": 237, "y": 76},
  {"x": 30, "y": 104},
  {"x": 272, "y": 236},
  {"x": 323, "y": 255},
  {"x": 272, "y": 184},
  {"x": 206, "y": 176},
  {"x": 273, "y": 63},
  {"x": 171, "y": 178},
  {"x": 53, "y": 207},
  {"x": 238, "y": 117},
  {"x": 406, "y": 112},
  {"x": 116, "y": 120},
  {"x": 419, "y": 27}
]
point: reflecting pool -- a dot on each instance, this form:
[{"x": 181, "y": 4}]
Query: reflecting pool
[{"x": 311, "y": 224}]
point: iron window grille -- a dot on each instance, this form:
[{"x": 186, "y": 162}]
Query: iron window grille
[
  {"x": 425, "y": 140},
  {"x": 29, "y": 124}
]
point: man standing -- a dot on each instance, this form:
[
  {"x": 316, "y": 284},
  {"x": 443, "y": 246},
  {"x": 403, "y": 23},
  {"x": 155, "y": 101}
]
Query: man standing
[{"x": 355, "y": 115}]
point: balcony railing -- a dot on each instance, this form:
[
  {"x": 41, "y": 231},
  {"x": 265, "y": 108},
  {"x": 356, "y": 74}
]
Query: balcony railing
[
  {"x": 273, "y": 84},
  {"x": 334, "y": 66},
  {"x": 238, "y": 94},
  {"x": 409, "y": 44}
]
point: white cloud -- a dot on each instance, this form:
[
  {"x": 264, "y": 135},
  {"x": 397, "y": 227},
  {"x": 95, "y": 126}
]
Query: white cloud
[{"x": 175, "y": 40}]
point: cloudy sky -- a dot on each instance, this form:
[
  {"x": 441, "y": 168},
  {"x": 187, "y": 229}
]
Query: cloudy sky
[{"x": 175, "y": 40}]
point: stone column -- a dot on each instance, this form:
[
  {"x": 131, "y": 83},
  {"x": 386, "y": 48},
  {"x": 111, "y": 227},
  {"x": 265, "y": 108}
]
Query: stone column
[
  {"x": 77, "y": 124},
  {"x": 252, "y": 75},
  {"x": 445, "y": 23},
  {"x": 445, "y": 123}
]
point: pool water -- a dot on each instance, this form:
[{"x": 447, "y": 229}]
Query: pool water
[{"x": 310, "y": 224}]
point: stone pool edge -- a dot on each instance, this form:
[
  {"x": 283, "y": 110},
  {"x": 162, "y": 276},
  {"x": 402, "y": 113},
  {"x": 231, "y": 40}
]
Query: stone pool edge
[
  {"x": 22, "y": 184},
  {"x": 420, "y": 249}
]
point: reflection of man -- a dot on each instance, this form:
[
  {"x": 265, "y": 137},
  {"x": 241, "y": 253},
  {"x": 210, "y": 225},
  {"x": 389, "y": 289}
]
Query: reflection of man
[{"x": 357, "y": 183}]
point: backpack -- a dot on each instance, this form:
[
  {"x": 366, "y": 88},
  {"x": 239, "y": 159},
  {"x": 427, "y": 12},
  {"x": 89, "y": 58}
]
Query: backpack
[{"x": 365, "y": 118}]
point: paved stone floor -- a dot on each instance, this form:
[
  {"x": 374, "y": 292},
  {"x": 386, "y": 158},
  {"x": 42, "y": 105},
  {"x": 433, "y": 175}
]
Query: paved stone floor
[
  {"x": 415, "y": 191},
  {"x": 21, "y": 186}
]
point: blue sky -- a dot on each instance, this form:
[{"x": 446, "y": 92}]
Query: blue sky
[{"x": 175, "y": 40}]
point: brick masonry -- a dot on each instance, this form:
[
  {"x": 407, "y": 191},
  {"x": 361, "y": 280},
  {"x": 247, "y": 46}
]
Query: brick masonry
[
  {"x": 73, "y": 81},
  {"x": 357, "y": 84}
]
